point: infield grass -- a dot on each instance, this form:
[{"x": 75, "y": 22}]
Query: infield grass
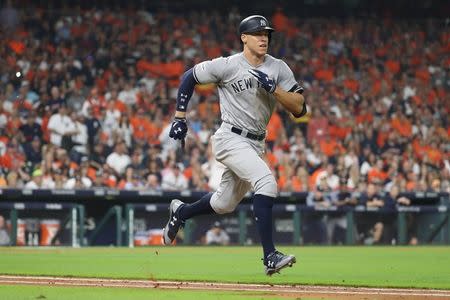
[{"x": 419, "y": 267}]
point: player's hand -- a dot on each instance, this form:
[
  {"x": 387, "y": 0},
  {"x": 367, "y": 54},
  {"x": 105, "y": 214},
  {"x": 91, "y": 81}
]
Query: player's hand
[
  {"x": 179, "y": 129},
  {"x": 267, "y": 83}
]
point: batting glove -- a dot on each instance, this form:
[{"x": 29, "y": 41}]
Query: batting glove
[
  {"x": 267, "y": 83},
  {"x": 179, "y": 129}
]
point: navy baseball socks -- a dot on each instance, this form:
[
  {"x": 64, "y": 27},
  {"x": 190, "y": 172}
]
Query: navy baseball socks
[
  {"x": 262, "y": 209},
  {"x": 200, "y": 207},
  {"x": 179, "y": 212},
  {"x": 273, "y": 259}
]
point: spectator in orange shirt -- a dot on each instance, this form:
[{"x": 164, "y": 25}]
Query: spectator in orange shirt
[
  {"x": 400, "y": 123},
  {"x": 143, "y": 130},
  {"x": 317, "y": 127},
  {"x": 324, "y": 75},
  {"x": 14, "y": 157},
  {"x": 330, "y": 146},
  {"x": 377, "y": 173},
  {"x": 434, "y": 154},
  {"x": 274, "y": 128},
  {"x": 280, "y": 20},
  {"x": 392, "y": 65}
]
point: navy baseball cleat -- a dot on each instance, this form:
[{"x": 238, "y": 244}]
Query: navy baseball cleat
[
  {"x": 276, "y": 261},
  {"x": 174, "y": 223}
]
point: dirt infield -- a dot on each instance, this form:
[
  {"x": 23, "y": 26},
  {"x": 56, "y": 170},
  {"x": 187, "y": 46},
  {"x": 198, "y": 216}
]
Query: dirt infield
[{"x": 283, "y": 291}]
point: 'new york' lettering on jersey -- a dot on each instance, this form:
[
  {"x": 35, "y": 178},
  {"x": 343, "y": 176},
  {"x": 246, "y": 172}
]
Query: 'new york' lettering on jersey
[
  {"x": 240, "y": 85},
  {"x": 243, "y": 102}
]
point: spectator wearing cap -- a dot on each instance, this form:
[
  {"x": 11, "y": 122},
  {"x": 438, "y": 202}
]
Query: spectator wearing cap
[
  {"x": 331, "y": 177},
  {"x": 217, "y": 235},
  {"x": 109, "y": 178},
  {"x": 135, "y": 183},
  {"x": 36, "y": 180},
  {"x": 98, "y": 179},
  {"x": 174, "y": 180},
  {"x": 110, "y": 120},
  {"x": 24, "y": 99},
  {"x": 154, "y": 168},
  {"x": 14, "y": 157},
  {"x": 395, "y": 198},
  {"x": 97, "y": 156},
  {"x": 315, "y": 230},
  {"x": 124, "y": 130},
  {"x": 78, "y": 181},
  {"x": 136, "y": 162},
  {"x": 314, "y": 157},
  {"x": 390, "y": 200},
  {"x": 76, "y": 98},
  {"x": 153, "y": 152},
  {"x": 93, "y": 126},
  {"x": 371, "y": 226},
  {"x": 94, "y": 104},
  {"x": 50, "y": 180},
  {"x": 56, "y": 100},
  {"x": 85, "y": 167},
  {"x": 153, "y": 183},
  {"x": 128, "y": 95},
  {"x": 80, "y": 139},
  {"x": 60, "y": 125},
  {"x": 31, "y": 128},
  {"x": 33, "y": 151},
  {"x": 119, "y": 159}
]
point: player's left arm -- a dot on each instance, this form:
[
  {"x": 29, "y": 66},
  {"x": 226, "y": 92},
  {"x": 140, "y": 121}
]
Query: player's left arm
[
  {"x": 288, "y": 92},
  {"x": 285, "y": 90},
  {"x": 292, "y": 101}
]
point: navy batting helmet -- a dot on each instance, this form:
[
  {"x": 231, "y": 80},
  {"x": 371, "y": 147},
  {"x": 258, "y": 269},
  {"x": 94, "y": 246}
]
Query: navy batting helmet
[{"x": 254, "y": 23}]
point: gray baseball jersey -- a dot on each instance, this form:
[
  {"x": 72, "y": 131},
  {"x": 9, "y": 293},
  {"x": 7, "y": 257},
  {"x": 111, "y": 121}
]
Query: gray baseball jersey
[{"x": 243, "y": 102}]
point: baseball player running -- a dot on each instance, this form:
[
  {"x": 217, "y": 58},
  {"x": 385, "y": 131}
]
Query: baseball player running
[{"x": 249, "y": 85}]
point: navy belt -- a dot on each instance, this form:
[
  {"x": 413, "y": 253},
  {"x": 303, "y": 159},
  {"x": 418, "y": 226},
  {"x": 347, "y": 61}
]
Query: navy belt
[{"x": 252, "y": 136}]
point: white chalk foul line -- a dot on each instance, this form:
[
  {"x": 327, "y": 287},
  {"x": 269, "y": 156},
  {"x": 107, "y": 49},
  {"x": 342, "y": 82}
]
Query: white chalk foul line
[{"x": 297, "y": 289}]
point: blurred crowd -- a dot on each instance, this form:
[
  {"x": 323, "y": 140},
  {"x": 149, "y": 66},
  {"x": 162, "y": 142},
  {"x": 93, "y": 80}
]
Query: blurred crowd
[{"x": 87, "y": 98}]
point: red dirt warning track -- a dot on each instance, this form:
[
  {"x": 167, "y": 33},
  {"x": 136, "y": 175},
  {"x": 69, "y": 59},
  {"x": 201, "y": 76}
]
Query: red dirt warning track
[{"x": 285, "y": 291}]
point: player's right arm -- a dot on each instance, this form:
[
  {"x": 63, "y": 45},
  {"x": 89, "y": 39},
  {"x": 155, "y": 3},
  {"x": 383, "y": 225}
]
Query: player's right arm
[
  {"x": 185, "y": 92},
  {"x": 179, "y": 128},
  {"x": 210, "y": 71},
  {"x": 205, "y": 72}
]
